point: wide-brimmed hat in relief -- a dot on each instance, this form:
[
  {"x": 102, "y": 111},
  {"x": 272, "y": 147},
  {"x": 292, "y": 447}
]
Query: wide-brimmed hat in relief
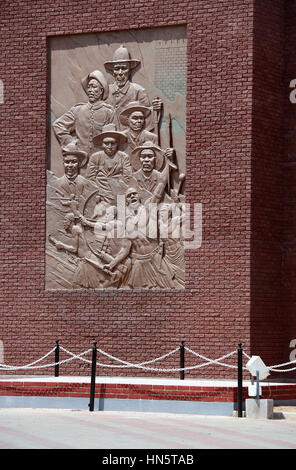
[
  {"x": 120, "y": 56},
  {"x": 132, "y": 107},
  {"x": 97, "y": 75},
  {"x": 109, "y": 131},
  {"x": 148, "y": 145},
  {"x": 72, "y": 148}
]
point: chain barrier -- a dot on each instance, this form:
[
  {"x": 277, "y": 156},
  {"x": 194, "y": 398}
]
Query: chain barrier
[
  {"x": 275, "y": 368},
  {"x": 127, "y": 364},
  {"x": 29, "y": 366},
  {"x": 214, "y": 361},
  {"x": 141, "y": 365},
  {"x": 246, "y": 355}
]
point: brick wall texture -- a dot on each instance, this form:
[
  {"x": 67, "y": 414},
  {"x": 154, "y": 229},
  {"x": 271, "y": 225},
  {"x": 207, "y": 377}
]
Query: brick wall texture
[{"x": 240, "y": 128}]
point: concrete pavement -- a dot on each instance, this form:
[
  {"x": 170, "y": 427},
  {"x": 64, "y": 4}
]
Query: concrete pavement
[{"x": 76, "y": 429}]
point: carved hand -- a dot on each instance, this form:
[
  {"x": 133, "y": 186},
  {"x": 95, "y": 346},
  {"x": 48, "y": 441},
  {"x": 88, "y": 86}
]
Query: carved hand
[
  {"x": 169, "y": 153},
  {"x": 82, "y": 219},
  {"x": 174, "y": 195},
  {"x": 156, "y": 104},
  {"x": 107, "y": 267},
  {"x": 59, "y": 245}
]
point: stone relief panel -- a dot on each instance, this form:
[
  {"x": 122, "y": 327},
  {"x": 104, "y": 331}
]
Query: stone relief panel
[{"x": 115, "y": 210}]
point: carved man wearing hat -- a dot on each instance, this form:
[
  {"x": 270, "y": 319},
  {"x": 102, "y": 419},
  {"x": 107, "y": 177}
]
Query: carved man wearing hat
[
  {"x": 123, "y": 91},
  {"x": 84, "y": 120},
  {"x": 72, "y": 184},
  {"x": 109, "y": 168},
  {"x": 133, "y": 118},
  {"x": 147, "y": 160}
]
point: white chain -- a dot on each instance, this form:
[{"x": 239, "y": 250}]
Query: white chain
[
  {"x": 246, "y": 355},
  {"x": 75, "y": 356},
  {"x": 141, "y": 365},
  {"x": 64, "y": 361},
  {"x": 282, "y": 370},
  {"x": 275, "y": 368},
  {"x": 283, "y": 364},
  {"x": 128, "y": 364},
  {"x": 165, "y": 370},
  {"x": 6, "y": 366},
  {"x": 214, "y": 361},
  {"x": 45, "y": 365}
]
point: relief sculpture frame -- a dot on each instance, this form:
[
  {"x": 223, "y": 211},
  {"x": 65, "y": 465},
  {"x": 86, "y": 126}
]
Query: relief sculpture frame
[{"x": 115, "y": 208}]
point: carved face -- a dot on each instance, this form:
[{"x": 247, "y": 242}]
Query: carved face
[
  {"x": 94, "y": 91},
  {"x": 121, "y": 72},
  {"x": 133, "y": 198},
  {"x": 136, "y": 120},
  {"x": 110, "y": 146},
  {"x": 147, "y": 159},
  {"x": 71, "y": 166}
]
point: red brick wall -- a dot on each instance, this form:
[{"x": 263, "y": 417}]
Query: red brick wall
[
  {"x": 289, "y": 182},
  {"x": 138, "y": 391},
  {"x": 226, "y": 160},
  {"x": 268, "y": 325}
]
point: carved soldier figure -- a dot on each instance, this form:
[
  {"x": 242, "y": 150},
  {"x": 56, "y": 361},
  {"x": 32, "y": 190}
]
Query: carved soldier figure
[
  {"x": 84, "y": 120},
  {"x": 133, "y": 119},
  {"x": 109, "y": 167},
  {"x": 123, "y": 91},
  {"x": 72, "y": 185},
  {"x": 148, "y": 160}
]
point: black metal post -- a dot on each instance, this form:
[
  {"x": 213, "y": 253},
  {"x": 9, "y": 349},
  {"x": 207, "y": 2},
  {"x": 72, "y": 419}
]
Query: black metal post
[
  {"x": 182, "y": 360},
  {"x": 93, "y": 377},
  {"x": 239, "y": 381},
  {"x": 57, "y": 359}
]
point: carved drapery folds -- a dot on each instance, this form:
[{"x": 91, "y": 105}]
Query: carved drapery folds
[{"x": 115, "y": 186}]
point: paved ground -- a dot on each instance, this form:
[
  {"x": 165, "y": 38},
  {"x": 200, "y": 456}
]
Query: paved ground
[{"x": 67, "y": 429}]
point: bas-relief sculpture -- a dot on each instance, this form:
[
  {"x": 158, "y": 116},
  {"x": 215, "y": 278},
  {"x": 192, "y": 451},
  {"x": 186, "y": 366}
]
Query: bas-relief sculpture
[{"x": 116, "y": 211}]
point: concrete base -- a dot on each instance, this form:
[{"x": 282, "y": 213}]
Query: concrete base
[
  {"x": 103, "y": 404},
  {"x": 259, "y": 408}
]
